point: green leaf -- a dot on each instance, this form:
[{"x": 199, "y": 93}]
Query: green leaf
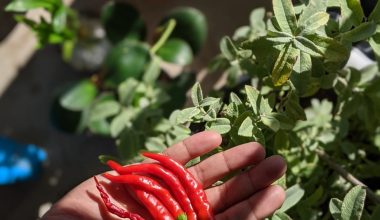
[
  {"x": 283, "y": 67},
  {"x": 313, "y": 7},
  {"x": 259, "y": 104},
  {"x": 302, "y": 79},
  {"x": 280, "y": 216},
  {"x": 100, "y": 127},
  {"x": 104, "y": 109},
  {"x": 257, "y": 17},
  {"x": 196, "y": 94},
  {"x": 353, "y": 204},
  {"x": 25, "y": 5},
  {"x": 293, "y": 109},
  {"x": 79, "y": 96},
  {"x": 314, "y": 22},
  {"x": 307, "y": 46},
  {"x": 246, "y": 127},
  {"x": 208, "y": 101},
  {"x": 271, "y": 122},
  {"x": 285, "y": 16},
  {"x": 187, "y": 114},
  {"x": 281, "y": 140},
  {"x": 286, "y": 123},
  {"x": 220, "y": 125},
  {"x": 293, "y": 195},
  {"x": 374, "y": 41},
  {"x": 280, "y": 40},
  {"x": 176, "y": 51},
  {"x": 375, "y": 14},
  {"x": 119, "y": 123},
  {"x": 333, "y": 51},
  {"x": 155, "y": 144},
  {"x": 59, "y": 19},
  {"x": 357, "y": 11},
  {"x": 351, "y": 14},
  {"x": 335, "y": 207},
  {"x": 153, "y": 71},
  {"x": 359, "y": 33},
  {"x": 126, "y": 91},
  {"x": 228, "y": 48}
]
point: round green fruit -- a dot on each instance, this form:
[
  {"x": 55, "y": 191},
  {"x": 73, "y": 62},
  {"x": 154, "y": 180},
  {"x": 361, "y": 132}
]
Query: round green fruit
[
  {"x": 191, "y": 26},
  {"x": 122, "y": 21},
  {"x": 127, "y": 59}
]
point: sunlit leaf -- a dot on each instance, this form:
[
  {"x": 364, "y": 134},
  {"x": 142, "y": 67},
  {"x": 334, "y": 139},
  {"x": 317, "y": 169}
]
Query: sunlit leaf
[
  {"x": 283, "y": 67},
  {"x": 285, "y": 16},
  {"x": 196, "y": 94},
  {"x": 293, "y": 195},
  {"x": 353, "y": 204}
]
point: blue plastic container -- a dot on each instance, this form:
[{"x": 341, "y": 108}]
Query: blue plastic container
[{"x": 19, "y": 162}]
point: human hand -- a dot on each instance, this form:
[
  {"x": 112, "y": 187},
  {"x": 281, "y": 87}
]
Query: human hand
[{"x": 247, "y": 196}]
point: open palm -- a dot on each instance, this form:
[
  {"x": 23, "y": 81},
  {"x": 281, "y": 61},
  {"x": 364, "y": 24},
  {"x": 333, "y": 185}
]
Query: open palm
[{"x": 247, "y": 196}]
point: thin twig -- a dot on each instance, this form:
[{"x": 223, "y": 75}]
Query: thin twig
[{"x": 346, "y": 175}]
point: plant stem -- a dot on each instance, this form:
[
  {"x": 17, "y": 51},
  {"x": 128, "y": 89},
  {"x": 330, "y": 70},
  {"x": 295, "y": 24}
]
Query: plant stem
[
  {"x": 169, "y": 27},
  {"x": 346, "y": 175}
]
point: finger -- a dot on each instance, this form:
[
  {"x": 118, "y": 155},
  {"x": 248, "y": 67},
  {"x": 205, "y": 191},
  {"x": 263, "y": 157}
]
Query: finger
[
  {"x": 258, "y": 206},
  {"x": 259, "y": 177},
  {"x": 194, "y": 146},
  {"x": 218, "y": 165}
]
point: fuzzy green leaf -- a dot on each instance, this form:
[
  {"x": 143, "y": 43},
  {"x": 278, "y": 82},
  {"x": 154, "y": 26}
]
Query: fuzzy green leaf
[
  {"x": 280, "y": 216},
  {"x": 187, "y": 114},
  {"x": 246, "y": 128},
  {"x": 293, "y": 109},
  {"x": 119, "y": 123},
  {"x": 283, "y": 67},
  {"x": 196, "y": 94},
  {"x": 25, "y": 5},
  {"x": 79, "y": 96},
  {"x": 307, "y": 46},
  {"x": 374, "y": 41},
  {"x": 208, "y": 101},
  {"x": 314, "y": 7},
  {"x": 228, "y": 48},
  {"x": 293, "y": 195},
  {"x": 126, "y": 91},
  {"x": 335, "y": 207},
  {"x": 285, "y": 16},
  {"x": 59, "y": 19},
  {"x": 271, "y": 122},
  {"x": 375, "y": 14},
  {"x": 220, "y": 125},
  {"x": 155, "y": 144},
  {"x": 104, "y": 109},
  {"x": 259, "y": 104},
  {"x": 359, "y": 33},
  {"x": 314, "y": 22},
  {"x": 353, "y": 204}
]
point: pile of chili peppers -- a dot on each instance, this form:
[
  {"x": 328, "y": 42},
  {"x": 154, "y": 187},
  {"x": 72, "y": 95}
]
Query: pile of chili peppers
[{"x": 180, "y": 197}]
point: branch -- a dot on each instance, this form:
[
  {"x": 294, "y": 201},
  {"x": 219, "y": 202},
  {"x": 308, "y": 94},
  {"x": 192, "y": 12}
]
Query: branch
[{"x": 346, "y": 175}]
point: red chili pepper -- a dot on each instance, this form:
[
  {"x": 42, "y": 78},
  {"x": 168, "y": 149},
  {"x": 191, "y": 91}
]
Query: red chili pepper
[
  {"x": 150, "y": 202},
  {"x": 150, "y": 185},
  {"x": 165, "y": 175},
  {"x": 193, "y": 188},
  {"x": 112, "y": 208}
]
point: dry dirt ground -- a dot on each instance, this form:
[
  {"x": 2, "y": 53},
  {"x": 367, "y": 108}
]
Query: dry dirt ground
[{"x": 25, "y": 106}]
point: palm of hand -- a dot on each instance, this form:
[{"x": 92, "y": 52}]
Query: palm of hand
[{"x": 247, "y": 196}]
